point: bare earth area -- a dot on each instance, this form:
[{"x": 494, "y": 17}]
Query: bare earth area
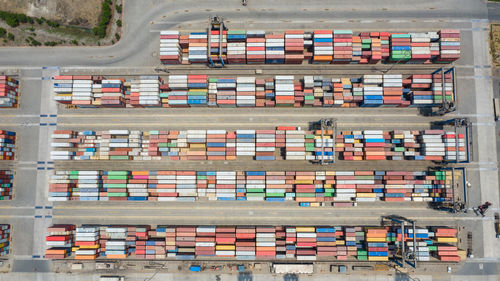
[
  {"x": 82, "y": 13},
  {"x": 76, "y": 20}
]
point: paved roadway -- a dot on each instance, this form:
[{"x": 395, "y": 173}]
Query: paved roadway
[{"x": 136, "y": 53}]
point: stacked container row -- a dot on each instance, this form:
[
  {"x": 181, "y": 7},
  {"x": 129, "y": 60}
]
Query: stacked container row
[
  {"x": 271, "y": 186},
  {"x": 319, "y": 46},
  {"x": 4, "y": 239},
  {"x": 6, "y": 184},
  {"x": 7, "y": 145},
  {"x": 9, "y": 92},
  {"x": 302, "y": 243},
  {"x": 394, "y": 90},
  {"x": 289, "y": 143},
  {"x": 434, "y": 145}
]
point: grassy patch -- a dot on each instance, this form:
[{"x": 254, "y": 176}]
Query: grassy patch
[{"x": 495, "y": 44}]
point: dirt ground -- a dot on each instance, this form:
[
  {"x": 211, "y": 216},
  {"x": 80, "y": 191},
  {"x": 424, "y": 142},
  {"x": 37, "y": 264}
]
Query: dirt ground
[
  {"x": 76, "y": 19},
  {"x": 495, "y": 44},
  {"x": 83, "y": 13}
]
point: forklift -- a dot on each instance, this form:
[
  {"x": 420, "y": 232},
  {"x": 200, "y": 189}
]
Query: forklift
[{"x": 216, "y": 23}]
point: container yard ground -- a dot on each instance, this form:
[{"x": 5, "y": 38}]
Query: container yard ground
[{"x": 137, "y": 54}]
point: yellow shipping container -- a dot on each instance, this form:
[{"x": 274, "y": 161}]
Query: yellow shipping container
[
  {"x": 447, "y": 239},
  {"x": 366, "y": 195},
  {"x": 225, "y": 247},
  {"x": 376, "y": 239},
  {"x": 305, "y": 229},
  {"x": 90, "y": 246},
  {"x": 371, "y": 258}
]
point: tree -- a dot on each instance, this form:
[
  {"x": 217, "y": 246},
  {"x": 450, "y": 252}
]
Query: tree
[
  {"x": 12, "y": 21},
  {"x": 118, "y": 9},
  {"x": 119, "y": 23},
  {"x": 11, "y": 36},
  {"x": 3, "y": 31}
]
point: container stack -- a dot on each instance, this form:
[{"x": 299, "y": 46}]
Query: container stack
[
  {"x": 60, "y": 240},
  {"x": 379, "y": 47},
  {"x": 447, "y": 240},
  {"x": 178, "y": 96},
  {"x": 115, "y": 242},
  {"x": 198, "y": 88},
  {"x": 145, "y": 92},
  {"x": 373, "y": 94},
  {"x": 205, "y": 241},
  {"x": 170, "y": 50},
  {"x": 265, "y": 242},
  {"x": 284, "y": 91},
  {"x": 432, "y": 144},
  {"x": 449, "y": 42},
  {"x": 275, "y": 48},
  {"x": 422, "y": 244},
  {"x": 87, "y": 243},
  {"x": 376, "y": 240},
  {"x": 454, "y": 146},
  {"x": 400, "y": 47},
  {"x": 112, "y": 93},
  {"x": 323, "y": 46},
  {"x": 82, "y": 94},
  {"x": 248, "y": 242},
  {"x": 295, "y": 145},
  {"x": 236, "y": 46},
  {"x": 260, "y": 92},
  {"x": 421, "y": 92},
  {"x": 225, "y": 238},
  {"x": 245, "y": 243},
  {"x": 6, "y": 184},
  {"x": 4, "y": 239},
  {"x": 420, "y": 47},
  {"x": 9, "y": 91},
  {"x": 212, "y": 92},
  {"x": 7, "y": 145},
  {"x": 63, "y": 88},
  {"x": 226, "y": 92},
  {"x": 193, "y": 90},
  {"x": 342, "y": 46},
  {"x": 88, "y": 185},
  {"x": 61, "y": 187},
  {"x": 198, "y": 47},
  {"x": 323, "y": 146},
  {"x": 265, "y": 145},
  {"x": 294, "y": 46},
  {"x": 393, "y": 91},
  {"x": 437, "y": 88},
  {"x": 214, "y": 46},
  {"x": 357, "y": 50},
  {"x": 385, "y": 44},
  {"x": 185, "y": 241},
  {"x": 245, "y": 92}
]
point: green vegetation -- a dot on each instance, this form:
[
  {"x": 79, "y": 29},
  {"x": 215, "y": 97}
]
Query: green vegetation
[
  {"x": 39, "y": 21},
  {"x": 13, "y": 19},
  {"x": 117, "y": 36},
  {"x": 32, "y": 41},
  {"x": 74, "y": 42},
  {"x": 52, "y": 23},
  {"x": 3, "y": 31},
  {"x": 106, "y": 14},
  {"x": 118, "y": 9},
  {"x": 11, "y": 36},
  {"x": 50, "y": 43},
  {"x": 119, "y": 23}
]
